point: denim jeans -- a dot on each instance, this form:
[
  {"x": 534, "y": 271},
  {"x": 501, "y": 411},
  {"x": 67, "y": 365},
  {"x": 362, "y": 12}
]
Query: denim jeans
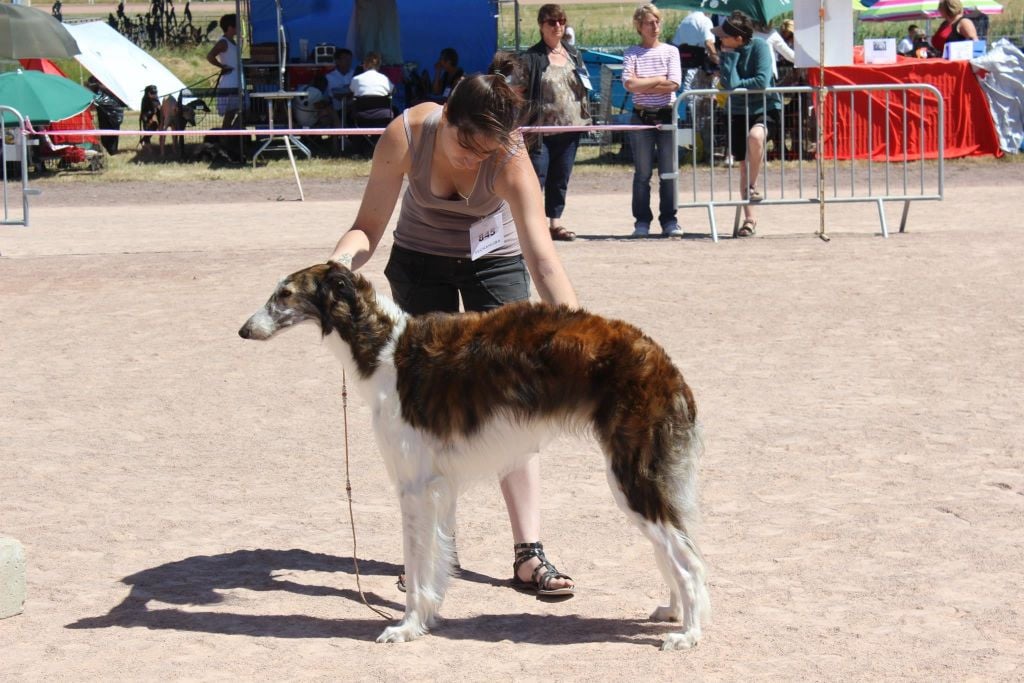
[
  {"x": 424, "y": 283},
  {"x": 553, "y": 157},
  {"x": 644, "y": 144}
]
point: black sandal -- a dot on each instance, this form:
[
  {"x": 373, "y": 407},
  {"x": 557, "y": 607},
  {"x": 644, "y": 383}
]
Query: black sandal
[{"x": 543, "y": 575}]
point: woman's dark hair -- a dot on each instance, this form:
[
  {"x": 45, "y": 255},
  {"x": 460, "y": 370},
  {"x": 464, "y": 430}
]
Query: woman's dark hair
[
  {"x": 485, "y": 106},
  {"x": 509, "y": 65},
  {"x": 449, "y": 54},
  {"x": 228, "y": 20},
  {"x": 371, "y": 60},
  {"x": 744, "y": 23}
]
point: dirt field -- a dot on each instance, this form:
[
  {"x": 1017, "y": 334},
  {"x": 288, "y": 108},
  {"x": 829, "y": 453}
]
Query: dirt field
[{"x": 180, "y": 491}]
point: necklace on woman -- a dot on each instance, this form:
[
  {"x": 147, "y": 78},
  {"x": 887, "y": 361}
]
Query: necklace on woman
[{"x": 473, "y": 187}]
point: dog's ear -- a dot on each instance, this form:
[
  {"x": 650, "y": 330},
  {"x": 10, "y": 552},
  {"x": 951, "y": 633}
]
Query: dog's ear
[
  {"x": 338, "y": 279},
  {"x": 335, "y": 287}
]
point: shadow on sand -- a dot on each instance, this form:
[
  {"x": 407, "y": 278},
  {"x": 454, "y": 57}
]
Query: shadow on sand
[{"x": 201, "y": 580}]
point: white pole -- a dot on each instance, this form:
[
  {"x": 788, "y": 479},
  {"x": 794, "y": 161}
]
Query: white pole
[{"x": 819, "y": 146}]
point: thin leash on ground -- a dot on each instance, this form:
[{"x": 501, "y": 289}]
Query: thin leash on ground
[{"x": 348, "y": 492}]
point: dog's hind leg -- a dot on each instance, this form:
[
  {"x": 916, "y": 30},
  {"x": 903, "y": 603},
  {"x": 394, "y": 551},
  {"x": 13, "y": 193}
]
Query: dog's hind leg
[
  {"x": 654, "y": 482},
  {"x": 427, "y": 545}
]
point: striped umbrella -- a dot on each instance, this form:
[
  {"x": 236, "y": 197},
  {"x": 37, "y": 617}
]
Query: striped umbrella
[{"x": 904, "y": 10}]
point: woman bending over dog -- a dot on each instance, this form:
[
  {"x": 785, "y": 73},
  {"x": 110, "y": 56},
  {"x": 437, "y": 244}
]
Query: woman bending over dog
[{"x": 471, "y": 223}]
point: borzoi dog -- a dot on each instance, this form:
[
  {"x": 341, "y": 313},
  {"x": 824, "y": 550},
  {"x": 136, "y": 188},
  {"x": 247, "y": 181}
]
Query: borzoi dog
[{"x": 456, "y": 397}]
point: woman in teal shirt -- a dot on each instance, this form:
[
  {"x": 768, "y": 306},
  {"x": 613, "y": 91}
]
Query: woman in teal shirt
[{"x": 746, "y": 62}]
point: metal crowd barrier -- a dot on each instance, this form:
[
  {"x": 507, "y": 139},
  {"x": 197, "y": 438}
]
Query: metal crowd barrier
[
  {"x": 15, "y": 150},
  {"x": 855, "y": 164}
]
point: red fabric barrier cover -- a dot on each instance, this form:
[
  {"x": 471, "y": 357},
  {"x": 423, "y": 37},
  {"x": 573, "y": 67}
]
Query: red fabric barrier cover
[
  {"x": 970, "y": 130},
  {"x": 82, "y": 121}
]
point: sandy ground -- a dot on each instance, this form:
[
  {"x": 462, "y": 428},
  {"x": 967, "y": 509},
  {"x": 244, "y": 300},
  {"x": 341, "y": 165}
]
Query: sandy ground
[{"x": 180, "y": 491}]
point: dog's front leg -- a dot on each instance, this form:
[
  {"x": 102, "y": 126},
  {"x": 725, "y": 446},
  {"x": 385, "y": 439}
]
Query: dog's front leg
[{"x": 426, "y": 562}]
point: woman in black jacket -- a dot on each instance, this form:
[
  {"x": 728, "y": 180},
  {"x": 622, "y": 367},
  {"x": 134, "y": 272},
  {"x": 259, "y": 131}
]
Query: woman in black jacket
[{"x": 557, "y": 88}]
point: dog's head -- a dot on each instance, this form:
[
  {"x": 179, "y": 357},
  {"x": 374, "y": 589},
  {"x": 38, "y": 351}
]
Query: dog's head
[
  {"x": 324, "y": 293},
  {"x": 338, "y": 300}
]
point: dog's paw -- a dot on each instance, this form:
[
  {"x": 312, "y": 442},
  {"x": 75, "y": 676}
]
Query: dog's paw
[
  {"x": 681, "y": 641},
  {"x": 402, "y": 633},
  {"x": 666, "y": 613}
]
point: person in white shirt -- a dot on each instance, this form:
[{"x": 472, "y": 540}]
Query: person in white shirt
[
  {"x": 225, "y": 56},
  {"x": 696, "y": 51},
  {"x": 339, "y": 79},
  {"x": 371, "y": 81},
  {"x": 906, "y": 46},
  {"x": 780, "y": 49}
]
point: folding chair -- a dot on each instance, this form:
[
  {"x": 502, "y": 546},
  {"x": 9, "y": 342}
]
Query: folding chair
[{"x": 371, "y": 111}]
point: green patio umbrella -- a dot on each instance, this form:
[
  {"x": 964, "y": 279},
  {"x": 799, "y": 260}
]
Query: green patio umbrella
[
  {"x": 761, "y": 11},
  {"x": 41, "y": 97},
  {"x": 27, "y": 33}
]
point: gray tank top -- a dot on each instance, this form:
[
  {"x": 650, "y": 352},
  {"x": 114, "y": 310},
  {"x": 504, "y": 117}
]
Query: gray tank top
[{"x": 440, "y": 225}]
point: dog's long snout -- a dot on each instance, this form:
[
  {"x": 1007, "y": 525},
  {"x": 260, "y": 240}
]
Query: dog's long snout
[{"x": 260, "y": 326}]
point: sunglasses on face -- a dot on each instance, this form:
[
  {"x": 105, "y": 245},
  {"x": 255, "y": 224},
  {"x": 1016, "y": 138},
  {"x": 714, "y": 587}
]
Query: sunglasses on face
[{"x": 554, "y": 22}]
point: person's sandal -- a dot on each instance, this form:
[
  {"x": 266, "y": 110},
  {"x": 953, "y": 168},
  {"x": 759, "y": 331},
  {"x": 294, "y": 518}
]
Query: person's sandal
[
  {"x": 753, "y": 195},
  {"x": 561, "y": 234},
  {"x": 748, "y": 229},
  {"x": 545, "y": 572}
]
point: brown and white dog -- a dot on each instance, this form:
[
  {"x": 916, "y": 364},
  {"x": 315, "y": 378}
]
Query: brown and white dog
[{"x": 457, "y": 397}]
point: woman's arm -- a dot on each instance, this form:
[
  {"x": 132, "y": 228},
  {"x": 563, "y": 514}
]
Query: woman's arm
[
  {"x": 779, "y": 45},
  {"x": 666, "y": 83},
  {"x": 761, "y": 78},
  {"x": 517, "y": 184},
  {"x": 219, "y": 47},
  {"x": 391, "y": 161}
]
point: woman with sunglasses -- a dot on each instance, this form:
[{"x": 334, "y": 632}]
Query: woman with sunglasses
[
  {"x": 557, "y": 88},
  {"x": 468, "y": 176}
]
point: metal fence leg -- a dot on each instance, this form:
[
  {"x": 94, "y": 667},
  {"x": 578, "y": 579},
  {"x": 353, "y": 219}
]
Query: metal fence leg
[
  {"x": 736, "y": 222},
  {"x": 881, "y": 217},
  {"x": 903, "y": 218},
  {"x": 711, "y": 220}
]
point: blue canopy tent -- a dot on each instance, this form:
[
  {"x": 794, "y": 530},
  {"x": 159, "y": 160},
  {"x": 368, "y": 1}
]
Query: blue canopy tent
[{"x": 469, "y": 26}]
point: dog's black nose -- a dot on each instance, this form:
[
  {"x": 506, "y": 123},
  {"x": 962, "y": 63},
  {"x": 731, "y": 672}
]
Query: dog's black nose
[{"x": 243, "y": 332}]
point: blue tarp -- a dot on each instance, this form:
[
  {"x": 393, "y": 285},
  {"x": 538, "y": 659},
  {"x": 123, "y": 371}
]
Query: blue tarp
[
  {"x": 594, "y": 60},
  {"x": 469, "y": 26}
]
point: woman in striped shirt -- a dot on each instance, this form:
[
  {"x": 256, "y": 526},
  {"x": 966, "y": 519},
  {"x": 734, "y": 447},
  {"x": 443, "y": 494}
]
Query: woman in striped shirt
[{"x": 652, "y": 73}]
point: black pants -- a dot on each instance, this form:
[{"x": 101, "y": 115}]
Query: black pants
[{"x": 424, "y": 283}]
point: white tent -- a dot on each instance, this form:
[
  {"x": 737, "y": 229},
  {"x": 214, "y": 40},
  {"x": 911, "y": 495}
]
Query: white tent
[{"x": 119, "y": 64}]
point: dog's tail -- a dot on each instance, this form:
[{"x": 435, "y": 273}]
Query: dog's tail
[
  {"x": 654, "y": 448},
  {"x": 654, "y": 453}
]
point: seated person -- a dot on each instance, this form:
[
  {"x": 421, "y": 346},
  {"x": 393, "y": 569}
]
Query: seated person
[
  {"x": 906, "y": 45},
  {"x": 339, "y": 79},
  {"x": 313, "y": 109},
  {"x": 366, "y": 87},
  {"x": 446, "y": 74},
  {"x": 371, "y": 82}
]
